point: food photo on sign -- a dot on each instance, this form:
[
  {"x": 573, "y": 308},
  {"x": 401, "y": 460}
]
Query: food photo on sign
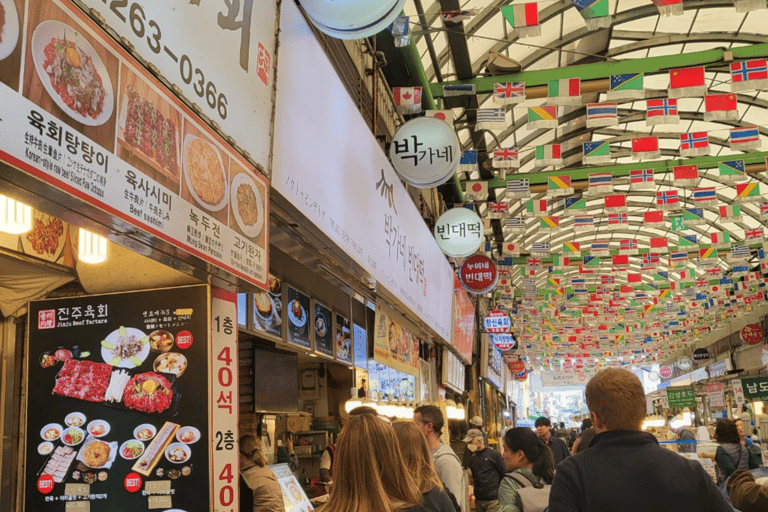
[{"x": 110, "y": 394}]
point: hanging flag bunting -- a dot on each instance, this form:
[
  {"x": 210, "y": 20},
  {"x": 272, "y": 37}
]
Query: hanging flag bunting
[
  {"x": 653, "y": 219},
  {"x": 559, "y": 185},
  {"x": 401, "y": 31},
  {"x": 594, "y": 12},
  {"x": 549, "y": 223},
  {"x": 518, "y": 188},
  {"x": 663, "y": 111},
  {"x": 667, "y": 200},
  {"x": 596, "y": 152},
  {"x": 628, "y": 246},
  {"x": 600, "y": 183},
  {"x": 510, "y": 249},
  {"x": 459, "y": 90},
  {"x": 687, "y": 241},
  {"x": 755, "y": 234},
  {"x": 524, "y": 18},
  {"x": 747, "y": 192},
  {"x": 620, "y": 260},
  {"x": 476, "y": 190},
  {"x": 616, "y": 203},
  {"x": 721, "y": 107},
  {"x": 443, "y": 115},
  {"x": 508, "y": 93},
  {"x": 560, "y": 262},
  {"x": 572, "y": 248},
  {"x": 650, "y": 261},
  {"x": 497, "y": 210},
  {"x": 730, "y": 213},
  {"x": 763, "y": 210},
  {"x": 599, "y": 247},
  {"x": 626, "y": 86},
  {"x": 720, "y": 240},
  {"x": 542, "y": 117},
  {"x": 548, "y": 154},
  {"x": 457, "y": 16},
  {"x": 644, "y": 148},
  {"x": 749, "y": 5},
  {"x": 685, "y": 175},
  {"x": 468, "y": 161},
  {"x": 505, "y": 157},
  {"x": 686, "y": 276},
  {"x": 602, "y": 114},
  {"x": 515, "y": 224},
  {"x": 687, "y": 82},
  {"x": 641, "y": 179},
  {"x": 540, "y": 249},
  {"x": 739, "y": 271},
  {"x": 694, "y": 144},
  {"x": 617, "y": 221},
  {"x": 750, "y": 74},
  {"x": 565, "y": 91},
  {"x": 704, "y": 194},
  {"x": 574, "y": 205},
  {"x": 669, "y": 7},
  {"x": 693, "y": 216},
  {"x": 491, "y": 118},
  {"x": 744, "y": 138},
  {"x": 407, "y": 99},
  {"x": 732, "y": 171},
  {"x": 740, "y": 252},
  {"x": 583, "y": 223},
  {"x": 536, "y": 207}
]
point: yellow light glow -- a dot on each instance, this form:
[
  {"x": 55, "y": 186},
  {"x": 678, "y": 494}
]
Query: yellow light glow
[
  {"x": 92, "y": 248},
  {"x": 15, "y": 216}
]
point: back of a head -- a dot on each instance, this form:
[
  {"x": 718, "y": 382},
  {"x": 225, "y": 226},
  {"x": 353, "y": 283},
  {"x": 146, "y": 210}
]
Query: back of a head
[
  {"x": 617, "y": 398},
  {"x": 431, "y": 414},
  {"x": 363, "y": 409},
  {"x": 523, "y": 438},
  {"x": 585, "y": 424},
  {"x": 726, "y": 432},
  {"x": 584, "y": 439},
  {"x": 250, "y": 447},
  {"x": 368, "y": 471},
  {"x": 416, "y": 455}
]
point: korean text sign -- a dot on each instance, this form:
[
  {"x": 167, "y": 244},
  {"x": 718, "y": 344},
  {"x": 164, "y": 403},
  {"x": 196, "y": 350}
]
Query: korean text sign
[
  {"x": 756, "y": 388},
  {"x": 679, "y": 398}
]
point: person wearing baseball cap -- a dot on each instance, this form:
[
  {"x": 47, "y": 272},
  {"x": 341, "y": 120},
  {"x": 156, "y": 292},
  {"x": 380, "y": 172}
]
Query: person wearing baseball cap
[{"x": 487, "y": 468}]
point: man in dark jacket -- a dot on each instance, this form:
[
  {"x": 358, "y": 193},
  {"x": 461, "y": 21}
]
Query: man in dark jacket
[
  {"x": 625, "y": 468},
  {"x": 557, "y": 445},
  {"x": 488, "y": 468}
]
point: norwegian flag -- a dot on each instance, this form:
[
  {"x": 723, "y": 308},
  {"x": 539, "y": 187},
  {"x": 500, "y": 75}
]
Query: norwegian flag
[
  {"x": 650, "y": 261},
  {"x": 640, "y": 179},
  {"x": 663, "y": 111},
  {"x": 694, "y": 144},
  {"x": 685, "y": 175},
  {"x": 497, "y": 210},
  {"x": 751, "y": 74},
  {"x": 607, "y": 280},
  {"x": 508, "y": 93},
  {"x": 667, "y": 200},
  {"x": 617, "y": 220},
  {"x": 505, "y": 157},
  {"x": 628, "y": 246},
  {"x": 645, "y": 147},
  {"x": 704, "y": 194}
]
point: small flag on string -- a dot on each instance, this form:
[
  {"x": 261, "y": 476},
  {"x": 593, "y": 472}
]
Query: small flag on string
[
  {"x": 732, "y": 171},
  {"x": 644, "y": 148},
  {"x": 744, "y": 138},
  {"x": 650, "y": 261},
  {"x": 763, "y": 210},
  {"x": 730, "y": 213},
  {"x": 685, "y": 175},
  {"x": 755, "y": 234},
  {"x": 457, "y": 16},
  {"x": 443, "y": 115},
  {"x": 653, "y": 219},
  {"x": 720, "y": 240},
  {"x": 596, "y": 152},
  {"x": 641, "y": 179},
  {"x": 476, "y": 190},
  {"x": 401, "y": 32},
  {"x": 740, "y": 252},
  {"x": 510, "y": 249},
  {"x": 497, "y": 210},
  {"x": 669, "y": 7},
  {"x": 721, "y": 107},
  {"x": 704, "y": 194},
  {"x": 694, "y": 144},
  {"x": 660, "y": 242},
  {"x": 549, "y": 223},
  {"x": 571, "y": 248},
  {"x": 594, "y": 12},
  {"x": 548, "y": 154},
  {"x": 628, "y": 246},
  {"x": 599, "y": 247},
  {"x": 536, "y": 207},
  {"x": 750, "y": 74},
  {"x": 515, "y": 224},
  {"x": 602, "y": 114},
  {"x": 667, "y": 200},
  {"x": 747, "y": 192},
  {"x": 574, "y": 205},
  {"x": 600, "y": 183},
  {"x": 560, "y": 262},
  {"x": 459, "y": 90},
  {"x": 505, "y": 157},
  {"x": 542, "y": 117},
  {"x": 693, "y": 216},
  {"x": 615, "y": 203},
  {"x": 749, "y": 5},
  {"x": 518, "y": 188},
  {"x": 508, "y": 93},
  {"x": 626, "y": 86},
  {"x": 491, "y": 118},
  {"x": 407, "y": 99},
  {"x": 617, "y": 221},
  {"x": 524, "y": 18},
  {"x": 559, "y": 185},
  {"x": 468, "y": 160},
  {"x": 583, "y": 223},
  {"x": 540, "y": 249},
  {"x": 620, "y": 260},
  {"x": 565, "y": 91},
  {"x": 687, "y": 82},
  {"x": 739, "y": 271},
  {"x": 663, "y": 111},
  {"x": 687, "y": 241}
]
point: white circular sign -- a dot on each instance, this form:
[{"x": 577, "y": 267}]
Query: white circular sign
[
  {"x": 685, "y": 363},
  {"x": 459, "y": 232},
  {"x": 425, "y": 152},
  {"x": 352, "y": 19}
]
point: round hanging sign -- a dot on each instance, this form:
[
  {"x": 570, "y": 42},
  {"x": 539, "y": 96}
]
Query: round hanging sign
[
  {"x": 497, "y": 322},
  {"x": 478, "y": 274},
  {"x": 684, "y": 363},
  {"x": 352, "y": 19},
  {"x": 459, "y": 232},
  {"x": 665, "y": 372},
  {"x": 425, "y": 152},
  {"x": 521, "y": 376},
  {"x": 504, "y": 342},
  {"x": 516, "y": 366},
  {"x": 653, "y": 376},
  {"x": 751, "y": 334},
  {"x": 700, "y": 354}
]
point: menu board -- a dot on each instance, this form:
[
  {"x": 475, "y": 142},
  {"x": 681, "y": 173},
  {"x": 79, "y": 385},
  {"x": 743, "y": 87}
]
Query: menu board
[
  {"x": 117, "y": 394},
  {"x": 298, "y": 317},
  {"x": 294, "y": 498},
  {"x": 268, "y": 308},
  {"x": 323, "y": 330},
  {"x": 463, "y": 320},
  {"x": 343, "y": 340},
  {"x": 119, "y": 141},
  {"x": 361, "y": 346},
  {"x": 394, "y": 344}
]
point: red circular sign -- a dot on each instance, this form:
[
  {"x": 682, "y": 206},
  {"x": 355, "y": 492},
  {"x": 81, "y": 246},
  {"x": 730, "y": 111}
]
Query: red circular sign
[
  {"x": 516, "y": 367},
  {"x": 132, "y": 482},
  {"x": 665, "y": 372},
  {"x": 45, "y": 484},
  {"x": 184, "y": 339},
  {"x": 751, "y": 334},
  {"x": 478, "y": 274}
]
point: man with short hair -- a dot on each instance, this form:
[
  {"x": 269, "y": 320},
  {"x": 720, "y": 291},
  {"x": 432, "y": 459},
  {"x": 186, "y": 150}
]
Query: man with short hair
[
  {"x": 430, "y": 421},
  {"x": 675, "y": 424},
  {"x": 558, "y": 446},
  {"x": 625, "y": 468},
  {"x": 488, "y": 468}
]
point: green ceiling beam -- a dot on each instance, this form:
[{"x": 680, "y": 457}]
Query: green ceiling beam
[{"x": 604, "y": 70}]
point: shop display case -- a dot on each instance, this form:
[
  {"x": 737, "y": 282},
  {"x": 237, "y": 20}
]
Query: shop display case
[{"x": 310, "y": 444}]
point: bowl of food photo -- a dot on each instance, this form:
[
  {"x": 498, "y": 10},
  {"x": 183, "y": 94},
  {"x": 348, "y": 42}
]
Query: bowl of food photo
[
  {"x": 297, "y": 316},
  {"x": 51, "y": 432},
  {"x": 144, "y": 432},
  {"x": 131, "y": 449},
  {"x": 160, "y": 341},
  {"x": 75, "y": 419},
  {"x": 45, "y": 448},
  {"x": 178, "y": 453},
  {"x": 172, "y": 363},
  {"x": 188, "y": 435},
  {"x": 98, "y": 428},
  {"x": 73, "y": 436}
]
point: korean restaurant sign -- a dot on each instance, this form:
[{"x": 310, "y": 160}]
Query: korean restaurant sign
[
  {"x": 716, "y": 395},
  {"x": 681, "y": 397},
  {"x": 120, "y": 411},
  {"x": 124, "y": 144},
  {"x": 357, "y": 200},
  {"x": 463, "y": 321},
  {"x": 478, "y": 274},
  {"x": 492, "y": 362},
  {"x": 394, "y": 344},
  {"x": 755, "y": 389},
  {"x": 220, "y": 54}
]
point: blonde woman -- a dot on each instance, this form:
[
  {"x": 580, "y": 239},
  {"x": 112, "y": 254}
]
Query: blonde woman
[
  {"x": 267, "y": 496},
  {"x": 418, "y": 462},
  {"x": 368, "y": 470}
]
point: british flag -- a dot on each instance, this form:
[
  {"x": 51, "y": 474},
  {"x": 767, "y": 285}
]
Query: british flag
[
  {"x": 498, "y": 208},
  {"x": 754, "y": 234},
  {"x": 509, "y": 92},
  {"x": 505, "y": 157}
]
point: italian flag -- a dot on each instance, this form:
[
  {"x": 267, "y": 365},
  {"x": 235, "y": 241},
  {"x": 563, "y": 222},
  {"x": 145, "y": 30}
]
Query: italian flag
[
  {"x": 566, "y": 91},
  {"x": 524, "y": 18}
]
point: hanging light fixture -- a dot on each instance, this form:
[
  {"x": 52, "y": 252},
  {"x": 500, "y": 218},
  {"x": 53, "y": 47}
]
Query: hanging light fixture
[
  {"x": 92, "y": 248},
  {"x": 15, "y": 216},
  {"x": 352, "y": 19}
]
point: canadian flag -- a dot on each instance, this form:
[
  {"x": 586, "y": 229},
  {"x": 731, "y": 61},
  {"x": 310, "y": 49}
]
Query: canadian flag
[{"x": 407, "y": 99}]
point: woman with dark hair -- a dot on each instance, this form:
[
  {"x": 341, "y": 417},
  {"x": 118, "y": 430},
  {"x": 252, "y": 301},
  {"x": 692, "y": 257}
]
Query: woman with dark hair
[
  {"x": 530, "y": 464},
  {"x": 731, "y": 454}
]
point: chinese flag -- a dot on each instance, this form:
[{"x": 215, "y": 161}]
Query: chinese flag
[
  {"x": 653, "y": 216},
  {"x": 645, "y": 144},
  {"x": 620, "y": 259},
  {"x": 617, "y": 201},
  {"x": 634, "y": 278},
  {"x": 659, "y": 242},
  {"x": 688, "y": 77},
  {"x": 715, "y": 102},
  {"x": 686, "y": 172}
]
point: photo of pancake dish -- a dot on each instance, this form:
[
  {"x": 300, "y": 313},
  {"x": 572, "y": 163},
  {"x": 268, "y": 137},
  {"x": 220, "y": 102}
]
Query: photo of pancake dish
[
  {"x": 263, "y": 304},
  {"x": 96, "y": 454},
  {"x": 205, "y": 172},
  {"x": 246, "y": 204}
]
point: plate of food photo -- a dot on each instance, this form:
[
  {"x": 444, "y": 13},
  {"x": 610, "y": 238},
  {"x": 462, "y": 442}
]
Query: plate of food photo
[
  {"x": 204, "y": 173},
  {"x": 126, "y": 347},
  {"x": 247, "y": 205},
  {"x": 9, "y": 28}
]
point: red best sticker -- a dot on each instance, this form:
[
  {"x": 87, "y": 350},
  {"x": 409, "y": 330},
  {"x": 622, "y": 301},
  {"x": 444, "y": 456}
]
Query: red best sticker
[
  {"x": 45, "y": 484},
  {"x": 184, "y": 339},
  {"x": 132, "y": 482}
]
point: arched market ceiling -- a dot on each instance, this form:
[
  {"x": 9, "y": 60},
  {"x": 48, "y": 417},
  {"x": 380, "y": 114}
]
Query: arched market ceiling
[{"x": 619, "y": 320}]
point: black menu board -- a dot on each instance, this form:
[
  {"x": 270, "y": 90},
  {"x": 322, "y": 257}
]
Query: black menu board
[
  {"x": 323, "y": 325},
  {"x": 268, "y": 308},
  {"x": 117, "y": 397},
  {"x": 297, "y": 313}
]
